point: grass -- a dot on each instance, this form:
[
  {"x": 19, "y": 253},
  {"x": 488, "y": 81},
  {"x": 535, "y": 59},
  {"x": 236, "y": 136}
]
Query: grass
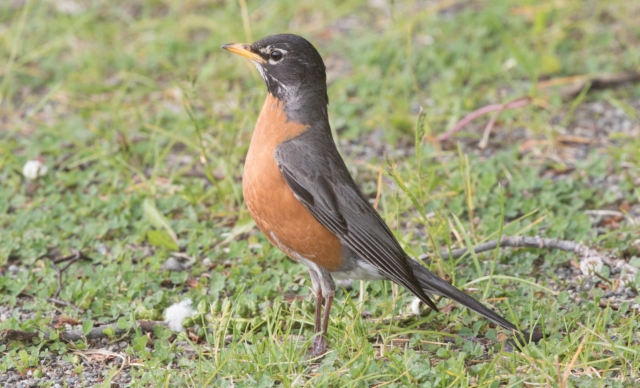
[{"x": 144, "y": 123}]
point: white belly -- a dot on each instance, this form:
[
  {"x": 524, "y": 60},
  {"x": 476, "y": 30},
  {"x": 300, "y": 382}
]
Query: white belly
[{"x": 362, "y": 271}]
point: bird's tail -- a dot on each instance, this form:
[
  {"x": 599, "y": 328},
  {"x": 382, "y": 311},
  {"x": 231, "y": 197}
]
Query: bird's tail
[{"x": 435, "y": 285}]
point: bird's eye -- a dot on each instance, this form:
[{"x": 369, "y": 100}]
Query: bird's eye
[{"x": 276, "y": 55}]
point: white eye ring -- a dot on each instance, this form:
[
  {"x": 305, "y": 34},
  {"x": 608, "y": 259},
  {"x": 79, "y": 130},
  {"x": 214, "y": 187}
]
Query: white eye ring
[{"x": 276, "y": 56}]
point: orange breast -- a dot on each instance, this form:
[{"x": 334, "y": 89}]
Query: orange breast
[{"x": 280, "y": 216}]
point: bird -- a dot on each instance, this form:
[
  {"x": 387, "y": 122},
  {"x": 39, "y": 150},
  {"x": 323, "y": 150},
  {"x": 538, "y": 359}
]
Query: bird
[{"x": 301, "y": 195}]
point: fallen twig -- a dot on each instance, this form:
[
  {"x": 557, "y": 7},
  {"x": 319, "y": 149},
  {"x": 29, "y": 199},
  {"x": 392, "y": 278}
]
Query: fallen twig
[
  {"x": 63, "y": 303},
  {"x": 18, "y": 335},
  {"x": 77, "y": 255},
  {"x": 597, "y": 82},
  {"x": 487, "y": 130},
  {"x": 89, "y": 354},
  {"x": 517, "y": 103},
  {"x": 567, "y": 372},
  {"x": 75, "y": 335},
  {"x": 615, "y": 306}
]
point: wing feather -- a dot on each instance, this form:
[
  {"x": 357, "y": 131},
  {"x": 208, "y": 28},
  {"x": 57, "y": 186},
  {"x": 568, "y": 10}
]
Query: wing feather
[{"x": 349, "y": 216}]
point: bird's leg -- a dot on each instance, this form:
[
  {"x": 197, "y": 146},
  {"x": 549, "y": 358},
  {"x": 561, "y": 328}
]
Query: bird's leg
[
  {"x": 316, "y": 326},
  {"x": 325, "y": 320},
  {"x": 319, "y": 345},
  {"x": 316, "y": 286}
]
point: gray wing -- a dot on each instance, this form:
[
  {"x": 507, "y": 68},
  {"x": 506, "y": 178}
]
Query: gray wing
[{"x": 319, "y": 179}]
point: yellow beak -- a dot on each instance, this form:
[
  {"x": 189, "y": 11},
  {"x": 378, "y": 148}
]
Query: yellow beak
[{"x": 244, "y": 50}]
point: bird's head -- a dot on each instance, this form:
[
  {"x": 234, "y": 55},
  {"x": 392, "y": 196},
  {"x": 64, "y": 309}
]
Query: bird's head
[{"x": 290, "y": 66}]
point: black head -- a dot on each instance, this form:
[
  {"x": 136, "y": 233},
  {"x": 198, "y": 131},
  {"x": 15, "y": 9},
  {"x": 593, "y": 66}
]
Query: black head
[{"x": 290, "y": 66}]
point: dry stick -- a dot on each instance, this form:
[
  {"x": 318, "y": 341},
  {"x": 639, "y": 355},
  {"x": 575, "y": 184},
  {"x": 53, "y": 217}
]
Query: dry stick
[
  {"x": 126, "y": 360},
  {"x": 63, "y": 303},
  {"x": 567, "y": 372},
  {"x": 77, "y": 255},
  {"x": 61, "y": 270},
  {"x": 75, "y": 335},
  {"x": 487, "y": 130},
  {"x": 517, "y": 103},
  {"x": 602, "y": 81},
  {"x": 541, "y": 243}
]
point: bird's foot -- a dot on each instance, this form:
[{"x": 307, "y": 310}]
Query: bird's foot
[{"x": 318, "y": 346}]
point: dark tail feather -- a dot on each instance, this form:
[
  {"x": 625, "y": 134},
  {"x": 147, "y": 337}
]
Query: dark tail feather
[{"x": 433, "y": 284}]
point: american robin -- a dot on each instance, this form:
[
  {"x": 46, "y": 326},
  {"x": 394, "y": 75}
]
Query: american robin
[{"x": 302, "y": 197}]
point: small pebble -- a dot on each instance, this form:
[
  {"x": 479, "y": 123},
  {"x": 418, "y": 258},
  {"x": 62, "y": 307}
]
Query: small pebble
[
  {"x": 207, "y": 262},
  {"x": 172, "y": 264},
  {"x": 102, "y": 249}
]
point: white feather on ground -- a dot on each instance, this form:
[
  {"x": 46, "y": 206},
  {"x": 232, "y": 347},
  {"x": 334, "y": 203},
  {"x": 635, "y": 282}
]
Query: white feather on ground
[
  {"x": 34, "y": 169},
  {"x": 176, "y": 313},
  {"x": 415, "y": 306}
]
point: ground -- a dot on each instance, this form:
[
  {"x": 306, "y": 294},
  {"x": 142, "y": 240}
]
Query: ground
[{"x": 143, "y": 123}]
